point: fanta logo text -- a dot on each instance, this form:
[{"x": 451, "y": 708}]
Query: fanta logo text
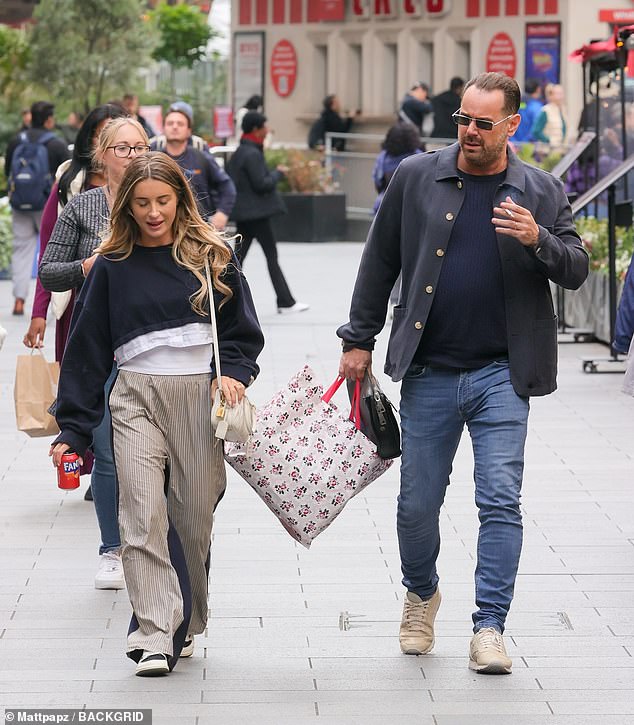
[{"x": 70, "y": 466}]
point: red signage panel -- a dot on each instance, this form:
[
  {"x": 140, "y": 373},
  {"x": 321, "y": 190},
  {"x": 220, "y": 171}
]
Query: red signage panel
[
  {"x": 616, "y": 16},
  {"x": 501, "y": 56},
  {"x": 332, "y": 10},
  {"x": 283, "y": 68}
]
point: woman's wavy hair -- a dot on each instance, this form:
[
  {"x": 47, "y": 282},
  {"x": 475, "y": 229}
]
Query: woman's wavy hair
[
  {"x": 108, "y": 135},
  {"x": 194, "y": 241},
  {"x": 82, "y": 159}
]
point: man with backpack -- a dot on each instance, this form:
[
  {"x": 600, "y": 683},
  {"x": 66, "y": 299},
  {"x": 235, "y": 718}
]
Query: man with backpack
[
  {"x": 31, "y": 161},
  {"x": 212, "y": 187}
]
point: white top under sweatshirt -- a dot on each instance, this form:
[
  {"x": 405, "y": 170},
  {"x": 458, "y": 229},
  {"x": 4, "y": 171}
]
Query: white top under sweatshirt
[{"x": 185, "y": 350}]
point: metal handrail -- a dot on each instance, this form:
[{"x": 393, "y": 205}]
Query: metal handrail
[{"x": 603, "y": 184}]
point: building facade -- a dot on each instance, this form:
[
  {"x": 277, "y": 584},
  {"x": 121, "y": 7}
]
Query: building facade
[{"x": 370, "y": 52}]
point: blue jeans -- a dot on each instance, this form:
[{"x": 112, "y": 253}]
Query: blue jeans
[
  {"x": 103, "y": 480},
  {"x": 435, "y": 406}
]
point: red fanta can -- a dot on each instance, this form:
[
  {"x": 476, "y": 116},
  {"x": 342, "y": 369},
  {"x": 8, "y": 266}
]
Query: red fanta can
[{"x": 68, "y": 471}]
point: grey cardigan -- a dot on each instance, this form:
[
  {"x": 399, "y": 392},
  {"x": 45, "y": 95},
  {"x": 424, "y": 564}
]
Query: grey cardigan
[
  {"x": 76, "y": 235},
  {"x": 409, "y": 235}
]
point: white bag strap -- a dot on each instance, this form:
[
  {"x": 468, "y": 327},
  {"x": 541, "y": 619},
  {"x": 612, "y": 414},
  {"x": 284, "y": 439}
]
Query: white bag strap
[{"x": 214, "y": 324}]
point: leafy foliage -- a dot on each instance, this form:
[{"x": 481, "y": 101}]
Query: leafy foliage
[
  {"x": 14, "y": 59},
  {"x": 6, "y": 234},
  {"x": 527, "y": 152},
  {"x": 594, "y": 233},
  {"x": 183, "y": 34},
  {"x": 88, "y": 50}
]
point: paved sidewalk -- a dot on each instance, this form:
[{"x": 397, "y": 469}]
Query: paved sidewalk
[{"x": 276, "y": 650}]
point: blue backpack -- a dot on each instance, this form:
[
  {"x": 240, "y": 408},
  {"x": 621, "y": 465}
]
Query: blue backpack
[{"x": 30, "y": 178}]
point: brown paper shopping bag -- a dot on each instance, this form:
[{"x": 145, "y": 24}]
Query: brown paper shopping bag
[{"x": 35, "y": 389}]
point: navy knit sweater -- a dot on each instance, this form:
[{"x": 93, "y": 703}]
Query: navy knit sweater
[
  {"x": 466, "y": 327},
  {"x": 121, "y": 300}
]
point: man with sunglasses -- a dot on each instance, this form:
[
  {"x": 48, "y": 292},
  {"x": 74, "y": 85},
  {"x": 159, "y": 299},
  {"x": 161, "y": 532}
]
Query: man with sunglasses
[{"x": 477, "y": 236}]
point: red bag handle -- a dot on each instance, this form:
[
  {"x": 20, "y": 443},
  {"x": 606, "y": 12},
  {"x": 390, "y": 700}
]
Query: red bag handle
[{"x": 355, "y": 406}]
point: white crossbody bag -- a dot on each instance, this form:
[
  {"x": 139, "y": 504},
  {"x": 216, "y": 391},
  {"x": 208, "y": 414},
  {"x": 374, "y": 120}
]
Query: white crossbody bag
[{"x": 232, "y": 423}]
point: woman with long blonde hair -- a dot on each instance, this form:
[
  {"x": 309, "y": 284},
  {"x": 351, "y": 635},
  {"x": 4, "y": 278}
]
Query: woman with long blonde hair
[
  {"x": 146, "y": 303},
  {"x": 65, "y": 263}
]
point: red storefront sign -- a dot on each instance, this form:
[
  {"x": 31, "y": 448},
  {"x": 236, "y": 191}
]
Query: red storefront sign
[
  {"x": 618, "y": 16},
  {"x": 283, "y": 68},
  {"x": 332, "y": 10},
  {"x": 501, "y": 56},
  {"x": 223, "y": 121}
]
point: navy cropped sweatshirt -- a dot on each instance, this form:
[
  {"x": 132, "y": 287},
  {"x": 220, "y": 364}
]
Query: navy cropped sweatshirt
[{"x": 121, "y": 300}]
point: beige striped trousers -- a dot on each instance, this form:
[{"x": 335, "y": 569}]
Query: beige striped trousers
[{"x": 163, "y": 423}]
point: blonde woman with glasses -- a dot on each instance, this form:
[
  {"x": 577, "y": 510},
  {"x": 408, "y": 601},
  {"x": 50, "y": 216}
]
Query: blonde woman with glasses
[
  {"x": 67, "y": 260},
  {"x": 146, "y": 303}
]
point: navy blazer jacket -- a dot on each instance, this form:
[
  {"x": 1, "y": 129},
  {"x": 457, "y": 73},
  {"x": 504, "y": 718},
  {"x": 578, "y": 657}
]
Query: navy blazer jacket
[{"x": 409, "y": 235}]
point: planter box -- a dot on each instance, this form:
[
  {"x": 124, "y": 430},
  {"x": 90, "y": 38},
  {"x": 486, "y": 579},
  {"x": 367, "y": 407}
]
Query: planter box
[{"x": 311, "y": 218}]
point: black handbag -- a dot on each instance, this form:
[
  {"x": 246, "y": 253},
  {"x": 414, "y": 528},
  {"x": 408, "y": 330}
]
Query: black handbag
[{"x": 378, "y": 421}]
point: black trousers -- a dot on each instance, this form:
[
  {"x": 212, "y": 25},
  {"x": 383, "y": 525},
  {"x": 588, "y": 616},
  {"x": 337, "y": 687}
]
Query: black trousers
[{"x": 262, "y": 230}]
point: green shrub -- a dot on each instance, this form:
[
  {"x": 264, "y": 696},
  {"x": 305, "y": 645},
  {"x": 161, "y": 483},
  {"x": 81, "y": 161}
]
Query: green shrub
[
  {"x": 6, "y": 233},
  {"x": 594, "y": 233}
]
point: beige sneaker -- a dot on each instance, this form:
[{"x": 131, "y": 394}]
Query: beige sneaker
[
  {"x": 417, "y": 626},
  {"x": 487, "y": 653}
]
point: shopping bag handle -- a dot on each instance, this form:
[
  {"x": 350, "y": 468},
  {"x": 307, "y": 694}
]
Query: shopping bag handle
[
  {"x": 48, "y": 369},
  {"x": 355, "y": 406}
]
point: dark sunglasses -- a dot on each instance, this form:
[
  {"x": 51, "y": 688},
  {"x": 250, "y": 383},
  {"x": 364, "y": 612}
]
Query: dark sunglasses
[{"x": 461, "y": 119}]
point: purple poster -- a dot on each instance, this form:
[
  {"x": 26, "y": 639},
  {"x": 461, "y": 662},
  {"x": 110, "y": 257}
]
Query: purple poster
[{"x": 543, "y": 52}]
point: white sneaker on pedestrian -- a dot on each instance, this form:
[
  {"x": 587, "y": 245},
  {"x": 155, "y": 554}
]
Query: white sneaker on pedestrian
[
  {"x": 110, "y": 572},
  {"x": 487, "y": 653},
  {"x": 297, "y": 307},
  {"x": 188, "y": 646},
  {"x": 152, "y": 664}
]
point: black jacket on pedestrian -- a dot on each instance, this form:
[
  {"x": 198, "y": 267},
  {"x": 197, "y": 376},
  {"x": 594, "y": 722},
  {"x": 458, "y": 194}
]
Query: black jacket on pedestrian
[
  {"x": 257, "y": 197},
  {"x": 332, "y": 122},
  {"x": 409, "y": 236},
  {"x": 414, "y": 111},
  {"x": 444, "y": 105}
]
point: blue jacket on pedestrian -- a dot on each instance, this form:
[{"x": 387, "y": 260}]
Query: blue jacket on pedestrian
[
  {"x": 529, "y": 111},
  {"x": 624, "y": 328}
]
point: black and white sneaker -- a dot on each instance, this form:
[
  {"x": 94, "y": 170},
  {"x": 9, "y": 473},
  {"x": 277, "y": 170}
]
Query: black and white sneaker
[
  {"x": 188, "y": 646},
  {"x": 152, "y": 664}
]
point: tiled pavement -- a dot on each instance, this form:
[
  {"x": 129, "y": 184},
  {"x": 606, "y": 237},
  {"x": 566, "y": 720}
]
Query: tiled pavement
[{"x": 277, "y": 650}]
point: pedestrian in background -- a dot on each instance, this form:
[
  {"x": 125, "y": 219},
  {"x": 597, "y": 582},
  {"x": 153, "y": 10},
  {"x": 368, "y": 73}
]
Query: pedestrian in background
[
  {"x": 146, "y": 303},
  {"x": 159, "y": 142},
  {"x": 70, "y": 129},
  {"x": 550, "y": 129},
  {"x": 330, "y": 121},
  {"x": 445, "y": 105},
  {"x": 130, "y": 102},
  {"x": 416, "y": 106},
  {"x": 401, "y": 141},
  {"x": 213, "y": 189},
  {"x": 73, "y": 176},
  {"x": 65, "y": 264},
  {"x": 530, "y": 108},
  {"x": 253, "y": 103},
  {"x": 26, "y": 222},
  {"x": 478, "y": 236},
  {"x": 257, "y": 201}
]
